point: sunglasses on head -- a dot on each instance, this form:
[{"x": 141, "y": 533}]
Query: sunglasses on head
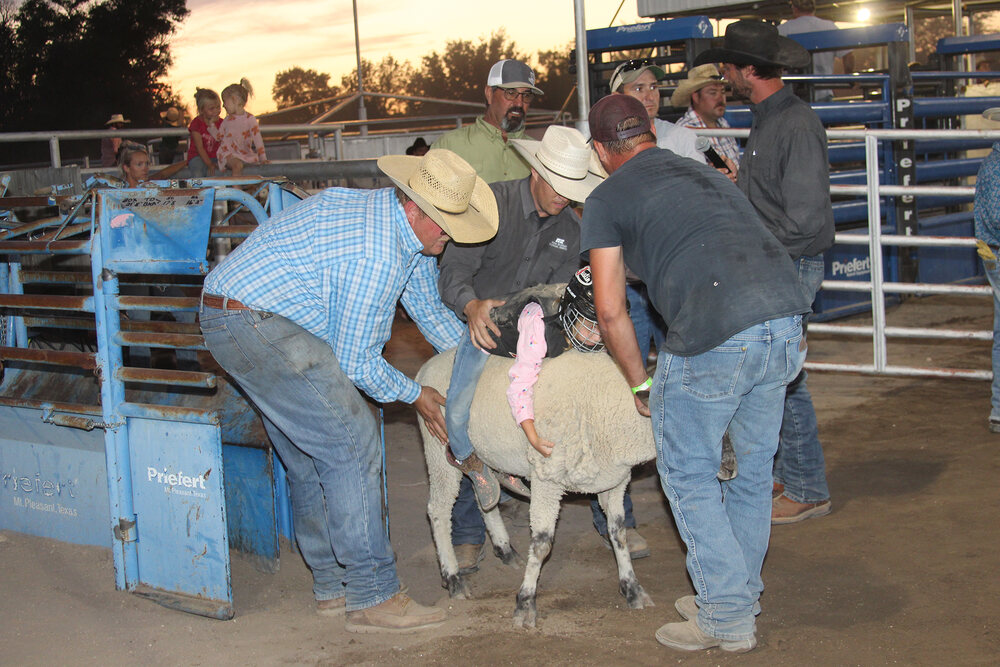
[{"x": 634, "y": 64}]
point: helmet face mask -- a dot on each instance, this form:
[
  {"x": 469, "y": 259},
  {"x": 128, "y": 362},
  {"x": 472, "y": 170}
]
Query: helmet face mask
[{"x": 578, "y": 315}]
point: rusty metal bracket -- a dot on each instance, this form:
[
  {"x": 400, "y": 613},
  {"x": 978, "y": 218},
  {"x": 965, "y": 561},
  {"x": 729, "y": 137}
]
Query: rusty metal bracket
[
  {"x": 75, "y": 421},
  {"x": 125, "y": 530}
]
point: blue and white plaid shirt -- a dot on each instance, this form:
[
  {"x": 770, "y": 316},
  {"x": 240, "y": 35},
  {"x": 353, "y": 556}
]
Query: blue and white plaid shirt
[
  {"x": 335, "y": 264},
  {"x": 987, "y": 206}
]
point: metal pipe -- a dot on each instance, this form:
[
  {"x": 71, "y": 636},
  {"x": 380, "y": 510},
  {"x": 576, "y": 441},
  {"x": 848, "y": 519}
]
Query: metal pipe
[
  {"x": 362, "y": 113},
  {"x": 900, "y": 332},
  {"x": 875, "y": 248},
  {"x": 900, "y": 371},
  {"x": 231, "y": 194},
  {"x": 54, "y": 152},
  {"x": 582, "y": 73}
]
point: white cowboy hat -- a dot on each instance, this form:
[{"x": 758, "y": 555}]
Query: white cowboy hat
[
  {"x": 697, "y": 78},
  {"x": 563, "y": 159},
  {"x": 117, "y": 118},
  {"x": 447, "y": 189},
  {"x": 993, "y": 113}
]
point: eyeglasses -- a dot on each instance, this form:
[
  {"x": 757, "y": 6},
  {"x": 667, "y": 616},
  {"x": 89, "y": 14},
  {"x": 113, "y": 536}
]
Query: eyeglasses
[{"x": 513, "y": 94}]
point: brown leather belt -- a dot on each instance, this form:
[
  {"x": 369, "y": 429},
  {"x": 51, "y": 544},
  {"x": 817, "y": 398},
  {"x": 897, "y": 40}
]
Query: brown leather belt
[{"x": 222, "y": 303}]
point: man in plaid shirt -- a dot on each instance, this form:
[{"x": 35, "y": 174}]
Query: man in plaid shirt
[{"x": 298, "y": 316}]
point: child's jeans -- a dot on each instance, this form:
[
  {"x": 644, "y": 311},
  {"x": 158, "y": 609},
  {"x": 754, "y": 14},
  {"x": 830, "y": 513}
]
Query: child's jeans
[{"x": 469, "y": 364}]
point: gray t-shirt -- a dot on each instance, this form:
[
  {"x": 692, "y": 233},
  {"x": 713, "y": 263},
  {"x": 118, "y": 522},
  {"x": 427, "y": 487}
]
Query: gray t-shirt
[{"x": 711, "y": 267}]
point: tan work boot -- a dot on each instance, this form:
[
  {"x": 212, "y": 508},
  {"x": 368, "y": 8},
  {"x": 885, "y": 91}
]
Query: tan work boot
[
  {"x": 687, "y": 607},
  {"x": 397, "y": 614},
  {"x": 468, "y": 557},
  {"x": 334, "y": 607},
  {"x": 484, "y": 482},
  {"x": 784, "y": 510},
  {"x": 637, "y": 545},
  {"x": 687, "y": 636}
]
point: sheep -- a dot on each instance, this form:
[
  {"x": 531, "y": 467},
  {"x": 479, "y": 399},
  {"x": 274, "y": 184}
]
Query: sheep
[{"x": 583, "y": 405}]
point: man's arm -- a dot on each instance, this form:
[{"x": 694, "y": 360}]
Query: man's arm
[
  {"x": 459, "y": 266},
  {"x": 805, "y": 187},
  {"x": 607, "y": 268}
]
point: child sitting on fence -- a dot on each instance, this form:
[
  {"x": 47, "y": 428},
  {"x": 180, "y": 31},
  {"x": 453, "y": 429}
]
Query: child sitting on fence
[
  {"x": 205, "y": 133},
  {"x": 241, "y": 140}
]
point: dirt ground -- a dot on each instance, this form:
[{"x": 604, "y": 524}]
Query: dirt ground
[{"x": 904, "y": 571}]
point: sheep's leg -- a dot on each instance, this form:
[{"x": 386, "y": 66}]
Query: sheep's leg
[
  {"x": 545, "y": 498},
  {"x": 444, "y": 482},
  {"x": 612, "y": 502},
  {"x": 502, "y": 547}
]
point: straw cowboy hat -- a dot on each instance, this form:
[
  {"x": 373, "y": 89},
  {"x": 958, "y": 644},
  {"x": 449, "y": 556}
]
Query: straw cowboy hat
[
  {"x": 117, "y": 118},
  {"x": 750, "y": 42},
  {"x": 563, "y": 159},
  {"x": 172, "y": 116},
  {"x": 447, "y": 189},
  {"x": 697, "y": 78}
]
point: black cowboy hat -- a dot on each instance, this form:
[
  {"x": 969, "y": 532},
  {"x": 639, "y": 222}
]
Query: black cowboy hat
[{"x": 750, "y": 42}]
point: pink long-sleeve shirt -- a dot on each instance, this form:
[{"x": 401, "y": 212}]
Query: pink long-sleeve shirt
[{"x": 531, "y": 349}]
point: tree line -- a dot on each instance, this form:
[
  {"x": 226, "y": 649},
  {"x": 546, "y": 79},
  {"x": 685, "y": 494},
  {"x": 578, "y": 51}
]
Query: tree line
[{"x": 457, "y": 72}]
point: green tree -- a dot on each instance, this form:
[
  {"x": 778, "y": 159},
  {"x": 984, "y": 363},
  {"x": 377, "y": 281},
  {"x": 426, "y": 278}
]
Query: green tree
[
  {"x": 72, "y": 63},
  {"x": 553, "y": 77},
  {"x": 388, "y": 76},
  {"x": 296, "y": 86},
  {"x": 460, "y": 71}
]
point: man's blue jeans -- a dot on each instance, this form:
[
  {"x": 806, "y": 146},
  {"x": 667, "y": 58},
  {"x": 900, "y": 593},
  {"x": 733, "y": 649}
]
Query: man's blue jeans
[
  {"x": 326, "y": 436},
  {"x": 799, "y": 464},
  {"x": 992, "y": 269},
  {"x": 467, "y": 525},
  {"x": 738, "y": 386},
  {"x": 645, "y": 320}
]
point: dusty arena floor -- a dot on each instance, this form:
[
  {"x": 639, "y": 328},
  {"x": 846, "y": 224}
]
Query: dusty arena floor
[{"x": 904, "y": 571}]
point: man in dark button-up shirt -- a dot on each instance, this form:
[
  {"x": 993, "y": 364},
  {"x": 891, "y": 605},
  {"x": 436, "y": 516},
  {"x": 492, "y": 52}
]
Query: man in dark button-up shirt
[{"x": 785, "y": 174}]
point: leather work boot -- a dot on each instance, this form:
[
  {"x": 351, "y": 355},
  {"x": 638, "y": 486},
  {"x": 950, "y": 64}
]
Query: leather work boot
[
  {"x": 397, "y": 614},
  {"x": 687, "y": 607},
  {"x": 637, "y": 545},
  {"x": 334, "y": 607},
  {"x": 777, "y": 488},
  {"x": 484, "y": 482},
  {"x": 785, "y": 510},
  {"x": 687, "y": 636},
  {"x": 468, "y": 557}
]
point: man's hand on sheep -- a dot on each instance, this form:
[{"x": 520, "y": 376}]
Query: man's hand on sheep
[
  {"x": 428, "y": 405},
  {"x": 477, "y": 314}
]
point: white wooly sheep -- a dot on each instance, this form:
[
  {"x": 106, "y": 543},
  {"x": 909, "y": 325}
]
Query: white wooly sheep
[{"x": 582, "y": 404}]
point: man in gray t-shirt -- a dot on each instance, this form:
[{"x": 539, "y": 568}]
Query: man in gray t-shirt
[{"x": 727, "y": 291}]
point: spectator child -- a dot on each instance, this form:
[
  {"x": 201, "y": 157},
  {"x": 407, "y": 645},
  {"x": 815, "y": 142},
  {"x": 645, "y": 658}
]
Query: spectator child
[
  {"x": 133, "y": 158},
  {"x": 241, "y": 140},
  {"x": 203, "y": 144}
]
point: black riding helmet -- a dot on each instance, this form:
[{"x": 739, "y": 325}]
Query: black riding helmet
[{"x": 577, "y": 313}]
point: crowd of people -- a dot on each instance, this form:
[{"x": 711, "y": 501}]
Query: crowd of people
[{"x": 480, "y": 242}]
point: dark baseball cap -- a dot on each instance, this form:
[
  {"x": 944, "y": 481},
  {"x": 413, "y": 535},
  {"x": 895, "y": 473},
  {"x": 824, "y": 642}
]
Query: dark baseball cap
[{"x": 610, "y": 111}]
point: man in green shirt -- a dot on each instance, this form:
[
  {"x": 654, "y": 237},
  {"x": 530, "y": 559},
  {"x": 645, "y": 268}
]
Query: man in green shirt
[{"x": 510, "y": 89}]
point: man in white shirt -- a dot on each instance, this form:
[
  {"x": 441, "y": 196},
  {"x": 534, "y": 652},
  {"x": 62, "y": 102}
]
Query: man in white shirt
[{"x": 804, "y": 19}]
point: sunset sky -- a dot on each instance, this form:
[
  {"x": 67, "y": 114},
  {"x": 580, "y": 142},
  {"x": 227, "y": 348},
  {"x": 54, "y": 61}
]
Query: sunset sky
[{"x": 223, "y": 40}]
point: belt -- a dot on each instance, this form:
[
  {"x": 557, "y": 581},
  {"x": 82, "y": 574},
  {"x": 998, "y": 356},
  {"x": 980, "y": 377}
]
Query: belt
[{"x": 222, "y": 303}]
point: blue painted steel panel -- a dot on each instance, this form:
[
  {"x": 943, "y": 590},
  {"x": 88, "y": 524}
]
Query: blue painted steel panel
[
  {"x": 969, "y": 44},
  {"x": 179, "y": 503},
  {"x": 652, "y": 32},
  {"x": 250, "y": 506},
  {"x": 848, "y": 262},
  {"x": 936, "y": 107},
  {"x": 52, "y": 479},
  {"x": 948, "y": 265},
  {"x": 155, "y": 231},
  {"x": 831, "y": 114},
  {"x": 826, "y": 40}
]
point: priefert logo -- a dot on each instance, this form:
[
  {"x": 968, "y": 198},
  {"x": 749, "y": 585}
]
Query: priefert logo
[
  {"x": 175, "y": 478},
  {"x": 852, "y": 267}
]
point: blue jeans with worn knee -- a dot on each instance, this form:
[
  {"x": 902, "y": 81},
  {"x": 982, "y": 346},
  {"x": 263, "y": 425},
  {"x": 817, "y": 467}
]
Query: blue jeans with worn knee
[
  {"x": 738, "y": 386},
  {"x": 992, "y": 269},
  {"x": 326, "y": 436},
  {"x": 800, "y": 464}
]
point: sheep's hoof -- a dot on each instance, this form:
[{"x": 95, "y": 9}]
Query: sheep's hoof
[
  {"x": 457, "y": 588},
  {"x": 509, "y": 556},
  {"x": 525, "y": 612},
  {"x": 635, "y": 596}
]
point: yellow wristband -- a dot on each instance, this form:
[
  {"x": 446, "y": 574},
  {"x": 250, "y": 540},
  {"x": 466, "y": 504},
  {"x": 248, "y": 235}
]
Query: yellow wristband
[{"x": 643, "y": 387}]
